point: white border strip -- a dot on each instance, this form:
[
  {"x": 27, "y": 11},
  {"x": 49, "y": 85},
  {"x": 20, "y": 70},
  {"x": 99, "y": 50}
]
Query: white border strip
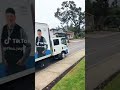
[
  {"x": 41, "y": 58},
  {"x": 16, "y": 76}
]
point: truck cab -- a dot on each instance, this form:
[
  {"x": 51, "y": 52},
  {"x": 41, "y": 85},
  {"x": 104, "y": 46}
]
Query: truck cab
[{"x": 59, "y": 47}]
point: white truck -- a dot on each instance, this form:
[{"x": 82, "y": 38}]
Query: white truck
[{"x": 56, "y": 46}]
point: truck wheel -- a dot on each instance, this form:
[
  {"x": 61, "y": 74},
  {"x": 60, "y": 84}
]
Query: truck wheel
[{"x": 62, "y": 55}]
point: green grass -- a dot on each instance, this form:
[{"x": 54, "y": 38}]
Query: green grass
[
  {"x": 74, "y": 80},
  {"x": 114, "y": 84}
]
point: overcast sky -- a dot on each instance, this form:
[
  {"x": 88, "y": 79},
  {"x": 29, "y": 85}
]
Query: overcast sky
[{"x": 45, "y": 9}]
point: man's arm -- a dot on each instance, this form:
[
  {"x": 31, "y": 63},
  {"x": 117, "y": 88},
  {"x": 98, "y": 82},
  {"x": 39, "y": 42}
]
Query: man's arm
[
  {"x": 27, "y": 44},
  {"x": 2, "y": 49},
  {"x": 44, "y": 40},
  {"x": 36, "y": 41},
  {"x": 2, "y": 52}
]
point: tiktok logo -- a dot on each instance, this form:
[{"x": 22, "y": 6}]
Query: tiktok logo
[{"x": 7, "y": 40}]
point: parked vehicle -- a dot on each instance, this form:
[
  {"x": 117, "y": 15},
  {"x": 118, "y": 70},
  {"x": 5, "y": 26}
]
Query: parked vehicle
[{"x": 56, "y": 46}]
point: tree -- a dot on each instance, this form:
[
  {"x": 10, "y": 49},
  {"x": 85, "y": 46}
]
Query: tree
[
  {"x": 69, "y": 14},
  {"x": 100, "y": 11},
  {"x": 88, "y": 6},
  {"x": 115, "y": 3},
  {"x": 100, "y": 8}
]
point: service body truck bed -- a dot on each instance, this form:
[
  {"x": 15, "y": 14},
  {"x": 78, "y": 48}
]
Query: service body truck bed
[{"x": 57, "y": 46}]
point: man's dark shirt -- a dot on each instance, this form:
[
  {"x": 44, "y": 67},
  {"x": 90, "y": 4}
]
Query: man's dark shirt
[
  {"x": 41, "y": 45},
  {"x": 12, "y": 51}
]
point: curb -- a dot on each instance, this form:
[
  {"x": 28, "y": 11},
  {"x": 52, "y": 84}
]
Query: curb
[
  {"x": 107, "y": 81},
  {"x": 49, "y": 86},
  {"x": 100, "y": 80}
]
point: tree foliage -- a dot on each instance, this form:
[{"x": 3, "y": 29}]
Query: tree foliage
[
  {"x": 70, "y": 14},
  {"x": 100, "y": 7}
]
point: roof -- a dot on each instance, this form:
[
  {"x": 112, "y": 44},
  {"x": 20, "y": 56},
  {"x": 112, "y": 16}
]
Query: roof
[
  {"x": 57, "y": 37},
  {"x": 70, "y": 32},
  {"x": 41, "y": 23}
]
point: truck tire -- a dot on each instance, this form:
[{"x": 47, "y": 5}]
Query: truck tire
[{"x": 62, "y": 55}]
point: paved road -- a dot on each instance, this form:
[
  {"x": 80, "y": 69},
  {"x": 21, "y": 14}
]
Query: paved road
[
  {"x": 76, "y": 45},
  {"x": 97, "y": 49},
  {"x": 102, "y": 58}
]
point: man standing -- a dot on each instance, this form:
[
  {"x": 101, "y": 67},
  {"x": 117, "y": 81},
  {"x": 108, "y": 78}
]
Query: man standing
[
  {"x": 41, "y": 44},
  {"x": 13, "y": 39}
]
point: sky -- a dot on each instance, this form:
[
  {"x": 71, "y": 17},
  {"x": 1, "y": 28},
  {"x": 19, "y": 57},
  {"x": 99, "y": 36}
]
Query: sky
[{"x": 45, "y": 9}]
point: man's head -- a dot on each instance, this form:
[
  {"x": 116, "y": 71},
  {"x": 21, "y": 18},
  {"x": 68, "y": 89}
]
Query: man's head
[
  {"x": 10, "y": 16},
  {"x": 39, "y": 33}
]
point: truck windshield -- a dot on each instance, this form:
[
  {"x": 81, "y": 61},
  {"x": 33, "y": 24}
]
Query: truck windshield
[{"x": 63, "y": 41}]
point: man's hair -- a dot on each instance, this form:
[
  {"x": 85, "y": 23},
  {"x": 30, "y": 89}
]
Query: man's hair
[
  {"x": 10, "y": 10},
  {"x": 39, "y": 30}
]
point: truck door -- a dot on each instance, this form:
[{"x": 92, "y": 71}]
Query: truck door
[
  {"x": 64, "y": 42},
  {"x": 56, "y": 47}
]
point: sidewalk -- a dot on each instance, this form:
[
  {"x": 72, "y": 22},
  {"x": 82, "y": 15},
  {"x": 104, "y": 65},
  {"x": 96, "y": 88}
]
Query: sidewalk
[
  {"x": 76, "y": 40},
  {"x": 47, "y": 75}
]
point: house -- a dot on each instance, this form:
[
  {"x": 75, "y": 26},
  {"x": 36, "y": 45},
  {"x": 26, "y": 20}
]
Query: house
[
  {"x": 61, "y": 33},
  {"x": 70, "y": 35},
  {"x": 57, "y": 32}
]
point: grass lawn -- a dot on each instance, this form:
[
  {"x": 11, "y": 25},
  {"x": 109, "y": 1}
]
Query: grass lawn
[
  {"x": 74, "y": 80},
  {"x": 114, "y": 84}
]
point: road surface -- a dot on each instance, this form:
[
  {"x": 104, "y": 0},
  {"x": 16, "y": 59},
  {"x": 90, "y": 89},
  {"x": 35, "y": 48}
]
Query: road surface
[
  {"x": 76, "y": 45},
  {"x": 97, "y": 49},
  {"x": 102, "y": 58}
]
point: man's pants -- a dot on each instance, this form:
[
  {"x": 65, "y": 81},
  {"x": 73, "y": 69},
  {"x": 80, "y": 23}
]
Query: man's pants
[{"x": 40, "y": 50}]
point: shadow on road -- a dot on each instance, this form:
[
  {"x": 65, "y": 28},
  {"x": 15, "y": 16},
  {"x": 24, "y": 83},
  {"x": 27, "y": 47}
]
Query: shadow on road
[{"x": 45, "y": 63}]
